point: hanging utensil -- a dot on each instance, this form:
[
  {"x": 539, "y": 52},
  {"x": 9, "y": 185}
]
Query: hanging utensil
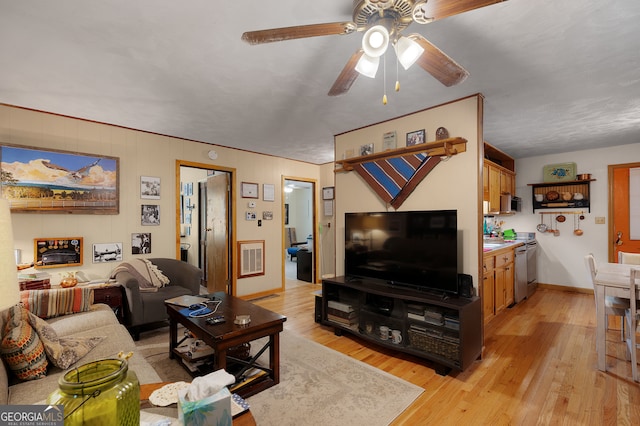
[
  {"x": 560, "y": 218},
  {"x": 556, "y": 232},
  {"x": 541, "y": 227},
  {"x": 577, "y": 231}
]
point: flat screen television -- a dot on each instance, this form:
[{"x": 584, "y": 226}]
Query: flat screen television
[{"x": 418, "y": 249}]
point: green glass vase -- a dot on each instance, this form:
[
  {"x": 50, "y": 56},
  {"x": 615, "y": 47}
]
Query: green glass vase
[{"x": 100, "y": 393}]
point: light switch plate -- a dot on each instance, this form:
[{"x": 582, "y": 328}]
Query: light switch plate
[{"x": 600, "y": 220}]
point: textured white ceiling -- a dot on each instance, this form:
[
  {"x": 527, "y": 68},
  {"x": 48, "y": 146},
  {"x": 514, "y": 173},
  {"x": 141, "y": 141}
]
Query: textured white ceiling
[{"x": 557, "y": 75}]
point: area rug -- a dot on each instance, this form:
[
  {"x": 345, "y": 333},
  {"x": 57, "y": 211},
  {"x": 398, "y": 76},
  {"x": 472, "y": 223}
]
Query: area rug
[{"x": 318, "y": 386}]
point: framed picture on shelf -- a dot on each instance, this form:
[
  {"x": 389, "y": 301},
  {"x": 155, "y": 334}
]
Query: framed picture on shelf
[
  {"x": 366, "y": 149},
  {"x": 249, "y": 190},
  {"x": 43, "y": 180},
  {"x": 150, "y": 215},
  {"x": 415, "y": 138},
  {"x": 150, "y": 187},
  {"x": 107, "y": 252},
  {"x": 389, "y": 141},
  {"x": 57, "y": 252},
  {"x": 251, "y": 255}
]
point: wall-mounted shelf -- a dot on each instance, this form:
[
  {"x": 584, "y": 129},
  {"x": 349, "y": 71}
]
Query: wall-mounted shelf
[
  {"x": 573, "y": 187},
  {"x": 444, "y": 147}
]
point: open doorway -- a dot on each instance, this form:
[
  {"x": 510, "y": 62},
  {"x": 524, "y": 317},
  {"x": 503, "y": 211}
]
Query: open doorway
[
  {"x": 204, "y": 228},
  {"x": 299, "y": 220}
]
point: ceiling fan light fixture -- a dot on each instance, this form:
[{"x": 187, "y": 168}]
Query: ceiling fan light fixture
[
  {"x": 408, "y": 51},
  {"x": 368, "y": 66},
  {"x": 375, "y": 41}
]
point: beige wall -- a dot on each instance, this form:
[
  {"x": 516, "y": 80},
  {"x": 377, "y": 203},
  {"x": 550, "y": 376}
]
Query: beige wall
[
  {"x": 452, "y": 184},
  {"x": 145, "y": 154}
]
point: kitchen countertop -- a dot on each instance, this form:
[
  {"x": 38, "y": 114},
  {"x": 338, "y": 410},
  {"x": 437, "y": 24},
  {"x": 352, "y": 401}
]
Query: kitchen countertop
[{"x": 490, "y": 247}]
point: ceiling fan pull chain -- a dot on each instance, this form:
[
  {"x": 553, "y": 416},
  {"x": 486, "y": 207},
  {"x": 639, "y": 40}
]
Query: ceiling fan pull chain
[
  {"x": 397, "y": 74},
  {"x": 384, "y": 79}
]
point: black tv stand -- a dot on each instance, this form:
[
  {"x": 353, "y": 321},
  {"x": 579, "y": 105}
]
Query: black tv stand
[{"x": 445, "y": 330}]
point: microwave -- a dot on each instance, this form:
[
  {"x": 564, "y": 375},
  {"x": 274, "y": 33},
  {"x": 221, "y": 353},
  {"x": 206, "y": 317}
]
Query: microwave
[{"x": 509, "y": 203}]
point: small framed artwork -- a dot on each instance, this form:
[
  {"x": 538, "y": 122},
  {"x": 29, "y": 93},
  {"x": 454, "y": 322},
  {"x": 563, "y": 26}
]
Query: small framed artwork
[
  {"x": 251, "y": 255},
  {"x": 268, "y": 192},
  {"x": 150, "y": 215},
  {"x": 366, "y": 149},
  {"x": 389, "y": 141},
  {"x": 150, "y": 187},
  {"x": 286, "y": 214},
  {"x": 328, "y": 207},
  {"x": 415, "y": 138},
  {"x": 57, "y": 252},
  {"x": 328, "y": 193},
  {"x": 107, "y": 252},
  {"x": 267, "y": 215},
  {"x": 249, "y": 190},
  {"x": 141, "y": 243}
]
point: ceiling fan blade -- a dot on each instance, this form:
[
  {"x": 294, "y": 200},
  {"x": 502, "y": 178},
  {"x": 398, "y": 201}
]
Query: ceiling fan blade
[
  {"x": 438, "y": 64},
  {"x": 347, "y": 76},
  {"x": 440, "y": 9},
  {"x": 301, "y": 31}
]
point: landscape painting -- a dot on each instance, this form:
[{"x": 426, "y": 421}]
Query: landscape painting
[{"x": 47, "y": 181}]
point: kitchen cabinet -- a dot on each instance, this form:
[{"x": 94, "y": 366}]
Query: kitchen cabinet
[
  {"x": 498, "y": 178},
  {"x": 488, "y": 285},
  {"x": 498, "y": 282}
]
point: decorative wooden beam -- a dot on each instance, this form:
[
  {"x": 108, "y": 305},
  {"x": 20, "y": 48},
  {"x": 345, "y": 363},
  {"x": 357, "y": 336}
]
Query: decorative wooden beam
[{"x": 445, "y": 147}]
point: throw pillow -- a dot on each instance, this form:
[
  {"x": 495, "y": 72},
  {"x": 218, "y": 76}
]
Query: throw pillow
[
  {"x": 65, "y": 351},
  {"x": 21, "y": 347}
]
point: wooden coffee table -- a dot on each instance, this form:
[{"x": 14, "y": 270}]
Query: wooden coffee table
[{"x": 221, "y": 337}]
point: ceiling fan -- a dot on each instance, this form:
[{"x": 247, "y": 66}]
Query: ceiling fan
[{"x": 383, "y": 21}]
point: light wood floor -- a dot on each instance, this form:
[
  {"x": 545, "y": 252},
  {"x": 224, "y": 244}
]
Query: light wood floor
[{"x": 538, "y": 367}]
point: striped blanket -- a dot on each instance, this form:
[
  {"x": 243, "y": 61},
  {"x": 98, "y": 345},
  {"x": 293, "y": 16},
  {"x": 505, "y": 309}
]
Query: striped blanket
[
  {"x": 394, "y": 179},
  {"x": 52, "y": 302}
]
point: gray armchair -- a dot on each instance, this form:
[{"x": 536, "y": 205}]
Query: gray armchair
[{"x": 148, "y": 307}]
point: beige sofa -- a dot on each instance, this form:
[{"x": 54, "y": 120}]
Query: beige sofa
[{"x": 99, "y": 320}]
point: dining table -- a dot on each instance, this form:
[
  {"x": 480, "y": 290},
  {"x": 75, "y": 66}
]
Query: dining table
[{"x": 612, "y": 279}]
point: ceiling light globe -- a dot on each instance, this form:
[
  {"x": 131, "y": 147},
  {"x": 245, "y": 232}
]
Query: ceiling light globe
[
  {"x": 375, "y": 41},
  {"x": 368, "y": 66},
  {"x": 408, "y": 51}
]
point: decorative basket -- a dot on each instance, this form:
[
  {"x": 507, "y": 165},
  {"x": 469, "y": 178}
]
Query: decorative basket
[{"x": 435, "y": 346}]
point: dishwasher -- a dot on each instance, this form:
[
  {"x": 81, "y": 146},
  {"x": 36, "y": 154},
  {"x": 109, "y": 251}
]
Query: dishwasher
[{"x": 520, "y": 291}]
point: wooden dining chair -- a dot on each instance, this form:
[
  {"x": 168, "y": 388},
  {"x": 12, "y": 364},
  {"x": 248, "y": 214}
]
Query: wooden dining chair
[
  {"x": 632, "y": 318},
  {"x": 612, "y": 305},
  {"x": 629, "y": 258}
]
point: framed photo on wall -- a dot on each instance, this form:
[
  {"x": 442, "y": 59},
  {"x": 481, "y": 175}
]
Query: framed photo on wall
[
  {"x": 107, "y": 252},
  {"x": 249, "y": 190},
  {"x": 150, "y": 215},
  {"x": 268, "y": 192},
  {"x": 57, "y": 252},
  {"x": 36, "y": 180},
  {"x": 150, "y": 187},
  {"x": 328, "y": 193},
  {"x": 141, "y": 243}
]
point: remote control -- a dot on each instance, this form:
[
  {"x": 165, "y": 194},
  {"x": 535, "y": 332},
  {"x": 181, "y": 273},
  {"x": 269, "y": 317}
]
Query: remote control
[{"x": 216, "y": 320}]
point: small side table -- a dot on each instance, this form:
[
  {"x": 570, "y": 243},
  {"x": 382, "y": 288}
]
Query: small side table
[{"x": 112, "y": 295}]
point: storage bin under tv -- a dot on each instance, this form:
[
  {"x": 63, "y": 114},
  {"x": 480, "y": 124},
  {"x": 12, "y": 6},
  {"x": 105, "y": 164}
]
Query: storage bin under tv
[{"x": 447, "y": 331}]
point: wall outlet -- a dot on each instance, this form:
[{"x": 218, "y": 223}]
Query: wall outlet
[{"x": 600, "y": 220}]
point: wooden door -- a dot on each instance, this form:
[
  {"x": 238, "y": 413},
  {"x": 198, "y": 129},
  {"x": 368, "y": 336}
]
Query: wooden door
[
  {"x": 624, "y": 209},
  {"x": 217, "y": 233}
]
